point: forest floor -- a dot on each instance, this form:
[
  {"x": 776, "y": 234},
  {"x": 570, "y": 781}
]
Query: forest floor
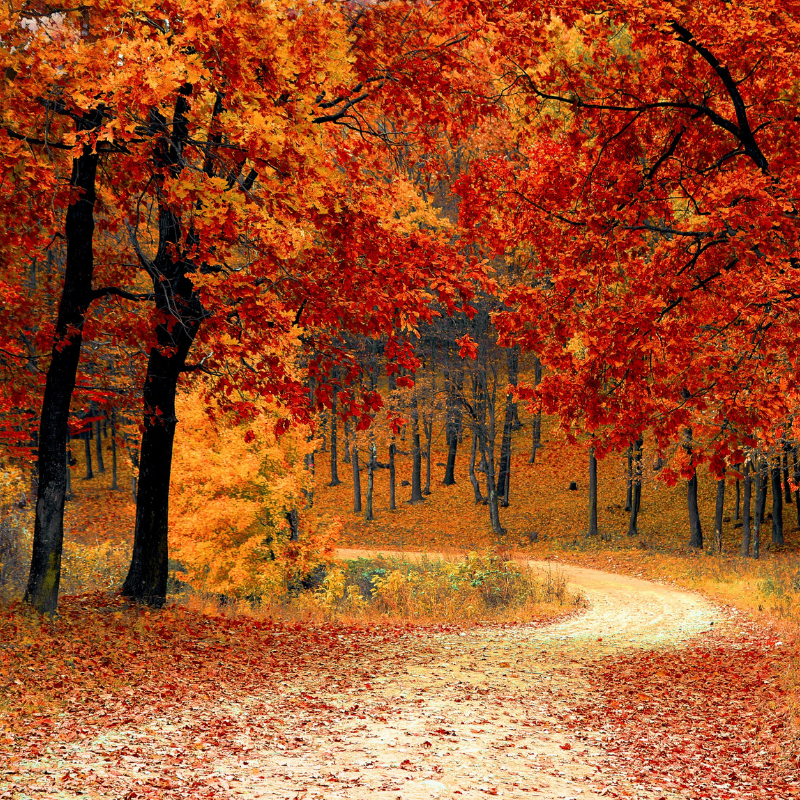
[{"x": 651, "y": 692}]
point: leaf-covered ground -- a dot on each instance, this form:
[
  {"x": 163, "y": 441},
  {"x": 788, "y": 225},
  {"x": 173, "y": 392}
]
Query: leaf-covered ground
[{"x": 639, "y": 697}]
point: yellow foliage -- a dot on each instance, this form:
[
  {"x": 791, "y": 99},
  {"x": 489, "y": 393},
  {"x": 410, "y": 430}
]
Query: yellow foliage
[{"x": 233, "y": 486}]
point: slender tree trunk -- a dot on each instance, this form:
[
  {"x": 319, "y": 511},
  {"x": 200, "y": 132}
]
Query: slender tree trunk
[
  {"x": 356, "y": 481},
  {"x": 346, "y": 458},
  {"x": 98, "y": 442},
  {"x": 504, "y": 470},
  {"x": 635, "y": 487},
  {"x": 293, "y": 521},
  {"x": 629, "y": 479},
  {"x": 786, "y": 487},
  {"x": 454, "y": 415},
  {"x": 114, "y": 484},
  {"x": 87, "y": 449},
  {"x": 392, "y": 478},
  {"x": 796, "y": 463},
  {"x": 759, "y": 513},
  {"x": 334, "y": 446},
  {"x": 416, "y": 455},
  {"x": 48, "y": 533},
  {"x": 370, "y": 481},
  {"x": 695, "y": 526},
  {"x": 476, "y": 487},
  {"x": 777, "y": 504},
  {"x": 718, "y": 513},
  {"x": 764, "y": 487},
  {"x": 536, "y": 423},
  {"x": 427, "y": 426},
  {"x": 70, "y": 461},
  {"x": 592, "y": 494},
  {"x": 748, "y": 490},
  {"x": 737, "y": 508}
]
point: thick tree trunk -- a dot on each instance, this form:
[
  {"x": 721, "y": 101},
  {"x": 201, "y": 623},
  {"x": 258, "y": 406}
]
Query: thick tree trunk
[
  {"x": 718, "y": 513},
  {"x": 392, "y": 478},
  {"x": 356, "y": 481},
  {"x": 48, "y": 532},
  {"x": 334, "y": 446},
  {"x": 777, "y": 504},
  {"x": 746, "y": 532},
  {"x": 592, "y": 494}
]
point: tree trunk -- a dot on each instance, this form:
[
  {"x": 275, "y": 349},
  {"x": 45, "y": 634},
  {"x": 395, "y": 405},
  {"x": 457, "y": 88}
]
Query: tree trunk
[
  {"x": 695, "y": 526},
  {"x": 334, "y": 446},
  {"x": 748, "y": 490},
  {"x": 536, "y": 423},
  {"x": 392, "y": 478},
  {"x": 427, "y": 426},
  {"x": 786, "y": 487},
  {"x": 346, "y": 458},
  {"x": 356, "y": 481},
  {"x": 504, "y": 470},
  {"x": 370, "y": 481},
  {"x": 293, "y": 521},
  {"x": 182, "y": 314},
  {"x": 476, "y": 487},
  {"x": 70, "y": 462},
  {"x": 48, "y": 533},
  {"x": 592, "y": 494},
  {"x": 759, "y": 513},
  {"x": 737, "y": 508},
  {"x": 777, "y": 504},
  {"x": 114, "y": 484},
  {"x": 98, "y": 442},
  {"x": 416, "y": 455},
  {"x": 454, "y": 415},
  {"x": 87, "y": 449},
  {"x": 629, "y": 479},
  {"x": 635, "y": 487},
  {"x": 718, "y": 512}
]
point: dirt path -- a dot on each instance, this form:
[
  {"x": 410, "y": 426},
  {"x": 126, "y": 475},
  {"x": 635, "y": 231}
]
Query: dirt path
[{"x": 462, "y": 715}]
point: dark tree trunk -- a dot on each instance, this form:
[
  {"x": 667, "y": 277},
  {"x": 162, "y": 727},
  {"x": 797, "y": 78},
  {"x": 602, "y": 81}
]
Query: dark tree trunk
[
  {"x": 356, "y": 481},
  {"x": 504, "y": 469},
  {"x": 48, "y": 533},
  {"x": 629, "y": 479},
  {"x": 70, "y": 463},
  {"x": 87, "y": 450},
  {"x": 796, "y": 463},
  {"x": 764, "y": 487},
  {"x": 695, "y": 526},
  {"x": 777, "y": 504},
  {"x": 476, "y": 487},
  {"x": 346, "y": 458},
  {"x": 334, "y": 446},
  {"x": 114, "y": 484},
  {"x": 416, "y": 455},
  {"x": 761, "y": 497},
  {"x": 182, "y": 314},
  {"x": 427, "y": 426},
  {"x": 370, "y": 482},
  {"x": 592, "y": 494},
  {"x": 293, "y": 521},
  {"x": 454, "y": 415},
  {"x": 748, "y": 491},
  {"x": 718, "y": 513},
  {"x": 392, "y": 478},
  {"x": 536, "y": 423},
  {"x": 635, "y": 487},
  {"x": 786, "y": 487},
  {"x": 98, "y": 442},
  {"x": 737, "y": 508}
]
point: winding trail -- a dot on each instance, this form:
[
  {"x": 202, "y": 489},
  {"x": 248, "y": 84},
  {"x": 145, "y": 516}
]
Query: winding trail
[{"x": 491, "y": 711}]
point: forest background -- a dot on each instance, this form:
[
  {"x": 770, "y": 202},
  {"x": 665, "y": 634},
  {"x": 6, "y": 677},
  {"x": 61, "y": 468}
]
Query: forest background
[{"x": 526, "y": 271}]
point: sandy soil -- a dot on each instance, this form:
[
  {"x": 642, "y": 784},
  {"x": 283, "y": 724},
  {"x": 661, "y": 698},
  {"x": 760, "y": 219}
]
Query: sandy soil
[{"x": 460, "y": 715}]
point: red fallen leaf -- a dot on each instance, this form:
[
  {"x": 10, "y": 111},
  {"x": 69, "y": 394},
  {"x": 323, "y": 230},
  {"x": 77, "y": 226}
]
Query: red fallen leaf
[
  {"x": 427, "y": 744},
  {"x": 566, "y": 746}
]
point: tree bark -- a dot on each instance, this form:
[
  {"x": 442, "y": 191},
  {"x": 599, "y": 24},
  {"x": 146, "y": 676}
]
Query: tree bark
[
  {"x": 629, "y": 479},
  {"x": 427, "y": 426},
  {"x": 416, "y": 455},
  {"x": 635, "y": 487},
  {"x": 777, "y": 504},
  {"x": 370, "y": 481},
  {"x": 346, "y": 457},
  {"x": 737, "y": 508},
  {"x": 718, "y": 513},
  {"x": 476, "y": 487},
  {"x": 759, "y": 512},
  {"x": 356, "y": 481},
  {"x": 182, "y": 314},
  {"x": 98, "y": 444},
  {"x": 454, "y": 415},
  {"x": 536, "y": 423},
  {"x": 695, "y": 526},
  {"x": 392, "y": 478},
  {"x": 592, "y": 494},
  {"x": 334, "y": 445},
  {"x": 746, "y": 533},
  {"x": 48, "y": 533},
  {"x": 114, "y": 484}
]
